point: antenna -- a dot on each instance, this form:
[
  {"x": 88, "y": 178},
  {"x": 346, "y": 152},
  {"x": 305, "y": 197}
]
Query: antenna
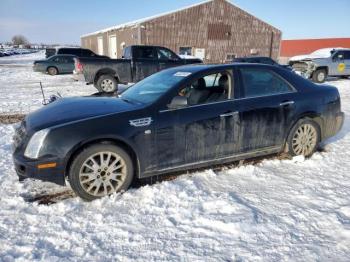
[{"x": 42, "y": 92}]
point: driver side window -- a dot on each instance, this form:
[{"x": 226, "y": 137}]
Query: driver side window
[
  {"x": 208, "y": 89},
  {"x": 165, "y": 54}
]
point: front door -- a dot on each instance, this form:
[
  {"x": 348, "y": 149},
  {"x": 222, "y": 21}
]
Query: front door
[
  {"x": 266, "y": 108},
  {"x": 206, "y": 129},
  {"x": 145, "y": 62},
  {"x": 113, "y": 47},
  {"x": 167, "y": 58}
]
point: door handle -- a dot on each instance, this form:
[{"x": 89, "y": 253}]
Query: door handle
[
  {"x": 229, "y": 114},
  {"x": 287, "y": 103}
]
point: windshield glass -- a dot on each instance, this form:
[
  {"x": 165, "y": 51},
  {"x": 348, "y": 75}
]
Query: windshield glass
[{"x": 151, "y": 88}]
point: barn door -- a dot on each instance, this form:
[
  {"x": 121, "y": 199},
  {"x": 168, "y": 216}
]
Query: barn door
[{"x": 113, "y": 46}]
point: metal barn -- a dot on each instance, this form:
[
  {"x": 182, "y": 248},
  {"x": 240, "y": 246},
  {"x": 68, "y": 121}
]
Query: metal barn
[{"x": 215, "y": 31}]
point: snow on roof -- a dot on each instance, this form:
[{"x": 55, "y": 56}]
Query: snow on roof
[{"x": 139, "y": 21}]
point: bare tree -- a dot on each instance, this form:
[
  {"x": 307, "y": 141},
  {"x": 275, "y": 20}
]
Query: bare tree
[{"x": 19, "y": 40}]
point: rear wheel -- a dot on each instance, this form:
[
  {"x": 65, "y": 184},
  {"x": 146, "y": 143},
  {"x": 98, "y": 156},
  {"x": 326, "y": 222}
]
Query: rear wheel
[
  {"x": 303, "y": 139},
  {"x": 319, "y": 76},
  {"x": 52, "y": 71},
  {"x": 107, "y": 84},
  {"x": 101, "y": 170}
]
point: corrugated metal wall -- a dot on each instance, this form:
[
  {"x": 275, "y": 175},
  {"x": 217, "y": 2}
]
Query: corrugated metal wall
[{"x": 217, "y": 27}]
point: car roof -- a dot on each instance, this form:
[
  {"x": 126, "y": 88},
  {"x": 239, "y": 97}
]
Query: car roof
[{"x": 197, "y": 68}]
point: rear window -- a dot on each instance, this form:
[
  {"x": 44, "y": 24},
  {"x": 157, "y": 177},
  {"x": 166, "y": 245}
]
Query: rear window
[
  {"x": 70, "y": 51},
  {"x": 144, "y": 52},
  {"x": 86, "y": 53}
]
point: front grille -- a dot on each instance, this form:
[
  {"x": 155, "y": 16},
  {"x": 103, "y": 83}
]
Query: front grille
[
  {"x": 300, "y": 66},
  {"x": 20, "y": 134}
]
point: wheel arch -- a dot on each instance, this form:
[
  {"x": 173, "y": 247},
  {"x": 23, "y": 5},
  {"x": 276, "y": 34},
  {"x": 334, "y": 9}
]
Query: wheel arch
[
  {"x": 107, "y": 140},
  {"x": 313, "y": 116},
  {"x": 322, "y": 67},
  {"x": 50, "y": 66},
  {"x": 106, "y": 71}
]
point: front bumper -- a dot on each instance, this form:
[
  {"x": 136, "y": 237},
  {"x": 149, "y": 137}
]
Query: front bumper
[{"x": 27, "y": 168}]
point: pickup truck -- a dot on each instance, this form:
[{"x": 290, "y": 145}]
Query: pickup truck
[
  {"x": 322, "y": 63},
  {"x": 137, "y": 63}
]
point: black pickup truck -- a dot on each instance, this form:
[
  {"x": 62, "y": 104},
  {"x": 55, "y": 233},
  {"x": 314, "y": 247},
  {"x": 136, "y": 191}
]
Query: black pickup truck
[{"x": 137, "y": 63}]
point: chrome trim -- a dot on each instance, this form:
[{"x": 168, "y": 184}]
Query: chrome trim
[
  {"x": 229, "y": 114},
  {"x": 228, "y": 100},
  {"x": 287, "y": 103}
]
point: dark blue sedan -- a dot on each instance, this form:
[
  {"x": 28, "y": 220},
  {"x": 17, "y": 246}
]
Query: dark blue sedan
[
  {"x": 54, "y": 65},
  {"x": 178, "y": 119}
]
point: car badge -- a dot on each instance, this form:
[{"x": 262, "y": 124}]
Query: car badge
[{"x": 141, "y": 122}]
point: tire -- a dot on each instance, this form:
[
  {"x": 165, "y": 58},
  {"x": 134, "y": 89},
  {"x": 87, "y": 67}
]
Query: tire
[
  {"x": 303, "y": 138},
  {"x": 107, "y": 84},
  {"x": 52, "y": 71},
  {"x": 90, "y": 178},
  {"x": 319, "y": 76}
]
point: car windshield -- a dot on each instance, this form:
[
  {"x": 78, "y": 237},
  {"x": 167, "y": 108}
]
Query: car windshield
[{"x": 151, "y": 88}]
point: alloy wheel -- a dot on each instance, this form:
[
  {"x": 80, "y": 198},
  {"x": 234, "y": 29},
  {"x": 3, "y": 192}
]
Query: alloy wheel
[
  {"x": 102, "y": 174},
  {"x": 305, "y": 140}
]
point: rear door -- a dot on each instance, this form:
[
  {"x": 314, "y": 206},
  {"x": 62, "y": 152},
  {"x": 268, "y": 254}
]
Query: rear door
[
  {"x": 144, "y": 63},
  {"x": 267, "y": 105},
  {"x": 167, "y": 58}
]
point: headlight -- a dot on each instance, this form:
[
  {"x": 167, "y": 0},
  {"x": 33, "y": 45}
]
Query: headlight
[{"x": 35, "y": 144}]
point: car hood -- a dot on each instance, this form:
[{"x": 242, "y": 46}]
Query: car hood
[
  {"x": 67, "y": 110},
  {"x": 306, "y": 57}
]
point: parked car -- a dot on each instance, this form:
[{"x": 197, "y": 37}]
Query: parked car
[
  {"x": 175, "y": 120},
  {"x": 1, "y": 54},
  {"x": 79, "y": 52},
  {"x": 323, "y": 63},
  {"x": 260, "y": 60},
  {"x": 137, "y": 63},
  {"x": 54, "y": 65}
]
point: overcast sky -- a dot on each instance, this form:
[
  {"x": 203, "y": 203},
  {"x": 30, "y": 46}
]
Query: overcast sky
[{"x": 63, "y": 21}]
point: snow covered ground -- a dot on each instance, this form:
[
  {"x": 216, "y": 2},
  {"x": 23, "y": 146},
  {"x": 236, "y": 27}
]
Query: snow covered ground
[
  {"x": 20, "y": 87},
  {"x": 277, "y": 210}
]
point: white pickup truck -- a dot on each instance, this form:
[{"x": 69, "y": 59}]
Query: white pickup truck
[{"x": 322, "y": 63}]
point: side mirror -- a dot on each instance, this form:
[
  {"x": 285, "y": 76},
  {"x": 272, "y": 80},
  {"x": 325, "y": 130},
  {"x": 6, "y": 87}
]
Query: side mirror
[{"x": 178, "y": 102}]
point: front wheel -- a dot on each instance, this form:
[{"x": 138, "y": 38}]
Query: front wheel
[
  {"x": 319, "y": 76},
  {"x": 107, "y": 84},
  {"x": 101, "y": 170},
  {"x": 303, "y": 138}
]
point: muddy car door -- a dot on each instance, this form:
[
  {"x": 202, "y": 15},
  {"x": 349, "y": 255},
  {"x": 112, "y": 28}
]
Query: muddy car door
[
  {"x": 144, "y": 63},
  {"x": 206, "y": 127},
  {"x": 267, "y": 105}
]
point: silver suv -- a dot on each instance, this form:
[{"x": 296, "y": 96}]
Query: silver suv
[{"x": 322, "y": 63}]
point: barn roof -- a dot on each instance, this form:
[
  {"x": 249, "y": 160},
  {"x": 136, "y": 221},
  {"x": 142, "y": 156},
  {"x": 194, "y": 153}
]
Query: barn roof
[{"x": 146, "y": 19}]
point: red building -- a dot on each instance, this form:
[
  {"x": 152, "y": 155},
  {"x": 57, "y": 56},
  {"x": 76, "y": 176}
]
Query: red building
[{"x": 291, "y": 48}]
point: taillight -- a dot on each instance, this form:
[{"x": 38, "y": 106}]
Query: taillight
[{"x": 78, "y": 66}]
